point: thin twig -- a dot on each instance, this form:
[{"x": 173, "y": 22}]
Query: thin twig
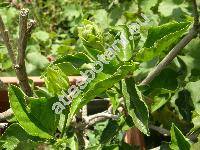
[
  {"x": 174, "y": 52},
  {"x": 6, "y": 114},
  {"x": 161, "y": 130},
  {"x": 23, "y": 19},
  {"x": 3, "y": 125},
  {"x": 6, "y": 39},
  {"x": 170, "y": 56},
  {"x": 20, "y": 66},
  {"x": 90, "y": 120},
  {"x": 194, "y": 135},
  {"x": 84, "y": 112}
]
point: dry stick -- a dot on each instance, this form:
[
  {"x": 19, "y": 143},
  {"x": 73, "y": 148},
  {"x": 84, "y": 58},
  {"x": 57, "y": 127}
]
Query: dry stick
[
  {"x": 6, "y": 39},
  {"x": 4, "y": 32},
  {"x": 90, "y": 120},
  {"x": 84, "y": 112},
  {"x": 6, "y": 114},
  {"x": 19, "y": 65},
  {"x": 163, "y": 131},
  {"x": 3, "y": 125}
]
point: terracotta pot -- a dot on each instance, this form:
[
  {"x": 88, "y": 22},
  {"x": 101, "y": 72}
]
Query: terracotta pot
[
  {"x": 135, "y": 138},
  {"x": 132, "y": 136}
]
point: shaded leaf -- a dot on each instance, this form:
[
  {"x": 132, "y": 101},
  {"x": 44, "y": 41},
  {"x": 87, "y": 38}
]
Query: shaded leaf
[
  {"x": 41, "y": 108},
  {"x": 185, "y": 105},
  {"x": 193, "y": 88},
  {"x": 14, "y": 135},
  {"x": 110, "y": 131}
]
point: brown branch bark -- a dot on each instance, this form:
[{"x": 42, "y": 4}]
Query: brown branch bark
[
  {"x": 6, "y": 39},
  {"x": 25, "y": 29},
  {"x": 90, "y": 120},
  {"x": 170, "y": 56},
  {"x": 162, "y": 131},
  {"x": 3, "y": 125},
  {"x": 20, "y": 66}
]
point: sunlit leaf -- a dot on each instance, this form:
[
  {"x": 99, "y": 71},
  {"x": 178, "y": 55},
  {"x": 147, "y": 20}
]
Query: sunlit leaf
[
  {"x": 136, "y": 107},
  {"x": 178, "y": 140}
]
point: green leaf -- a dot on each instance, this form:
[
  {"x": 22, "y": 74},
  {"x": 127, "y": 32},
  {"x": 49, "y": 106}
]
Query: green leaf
[
  {"x": 68, "y": 69},
  {"x": 126, "y": 47},
  {"x": 167, "y": 7},
  {"x": 110, "y": 131},
  {"x": 193, "y": 88},
  {"x": 158, "y": 102},
  {"x": 160, "y": 39},
  {"x": 147, "y": 5},
  {"x": 71, "y": 11},
  {"x": 178, "y": 140},
  {"x": 14, "y": 135},
  {"x": 98, "y": 147},
  {"x": 157, "y": 33},
  {"x": 41, "y": 36},
  {"x": 91, "y": 35},
  {"x": 41, "y": 108},
  {"x": 135, "y": 105},
  {"x": 111, "y": 147},
  {"x": 55, "y": 80},
  {"x": 99, "y": 88},
  {"x": 29, "y": 145},
  {"x": 196, "y": 146},
  {"x": 113, "y": 95},
  {"x": 101, "y": 18},
  {"x": 167, "y": 79},
  {"x": 76, "y": 60},
  {"x": 185, "y": 105},
  {"x": 27, "y": 120},
  {"x": 103, "y": 85}
]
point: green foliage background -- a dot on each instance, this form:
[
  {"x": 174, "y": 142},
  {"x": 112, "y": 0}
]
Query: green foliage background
[{"x": 171, "y": 100}]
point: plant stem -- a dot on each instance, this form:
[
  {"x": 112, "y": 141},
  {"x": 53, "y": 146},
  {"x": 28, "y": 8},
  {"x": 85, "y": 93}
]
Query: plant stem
[
  {"x": 6, "y": 39},
  {"x": 25, "y": 29},
  {"x": 170, "y": 56},
  {"x": 6, "y": 114},
  {"x": 174, "y": 52}
]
